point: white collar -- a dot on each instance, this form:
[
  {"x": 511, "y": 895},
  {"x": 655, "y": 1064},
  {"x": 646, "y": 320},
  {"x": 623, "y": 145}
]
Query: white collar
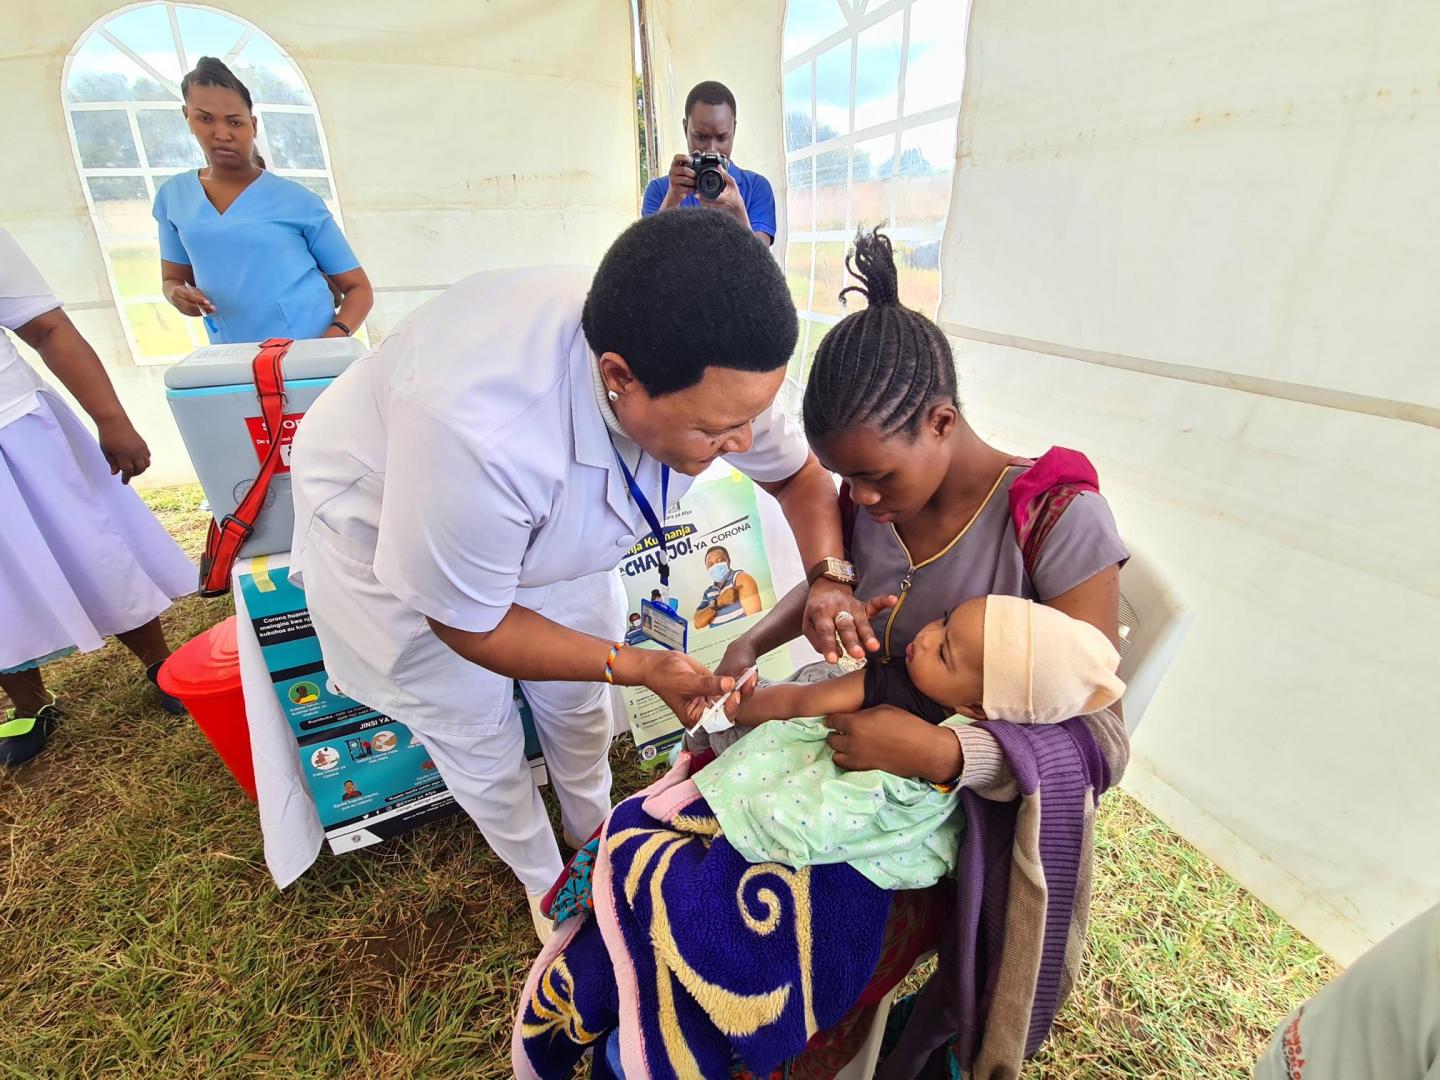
[{"x": 623, "y": 442}]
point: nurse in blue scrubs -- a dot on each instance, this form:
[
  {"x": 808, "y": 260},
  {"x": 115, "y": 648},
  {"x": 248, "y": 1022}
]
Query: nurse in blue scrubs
[{"x": 252, "y": 253}]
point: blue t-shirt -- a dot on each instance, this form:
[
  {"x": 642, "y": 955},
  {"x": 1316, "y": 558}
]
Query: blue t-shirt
[
  {"x": 755, "y": 193},
  {"x": 263, "y": 262}
]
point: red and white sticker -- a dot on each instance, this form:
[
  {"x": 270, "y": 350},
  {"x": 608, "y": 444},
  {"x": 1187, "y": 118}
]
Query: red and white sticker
[{"x": 289, "y": 424}]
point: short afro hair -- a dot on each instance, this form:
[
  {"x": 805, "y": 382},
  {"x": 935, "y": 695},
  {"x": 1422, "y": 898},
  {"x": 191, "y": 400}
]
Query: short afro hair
[
  {"x": 709, "y": 93},
  {"x": 684, "y": 290}
]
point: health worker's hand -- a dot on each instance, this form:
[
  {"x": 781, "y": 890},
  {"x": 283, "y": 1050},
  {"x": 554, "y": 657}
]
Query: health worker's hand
[
  {"x": 188, "y": 300},
  {"x": 831, "y": 609},
  {"x": 738, "y": 659},
  {"x": 681, "y": 681},
  {"x": 733, "y": 700}
]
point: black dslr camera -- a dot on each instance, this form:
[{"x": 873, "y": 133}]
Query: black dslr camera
[{"x": 709, "y": 174}]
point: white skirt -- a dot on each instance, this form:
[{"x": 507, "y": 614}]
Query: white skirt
[{"x": 81, "y": 557}]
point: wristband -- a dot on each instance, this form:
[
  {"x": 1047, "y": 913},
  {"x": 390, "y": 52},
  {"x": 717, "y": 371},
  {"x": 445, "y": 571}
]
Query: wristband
[
  {"x": 610, "y": 662},
  {"x": 948, "y": 786},
  {"x": 342, "y": 326}
]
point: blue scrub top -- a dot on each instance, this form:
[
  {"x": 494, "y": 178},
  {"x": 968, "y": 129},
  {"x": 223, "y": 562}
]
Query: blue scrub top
[
  {"x": 261, "y": 261},
  {"x": 755, "y": 193}
]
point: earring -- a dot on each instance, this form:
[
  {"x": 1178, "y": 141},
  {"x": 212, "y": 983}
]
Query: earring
[{"x": 612, "y": 395}]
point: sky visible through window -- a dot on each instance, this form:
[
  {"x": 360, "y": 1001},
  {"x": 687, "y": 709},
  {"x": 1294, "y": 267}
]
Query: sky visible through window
[{"x": 871, "y": 96}]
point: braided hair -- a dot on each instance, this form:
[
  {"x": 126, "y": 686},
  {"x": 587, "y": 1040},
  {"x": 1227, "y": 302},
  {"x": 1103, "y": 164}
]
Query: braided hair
[
  {"x": 883, "y": 367},
  {"x": 211, "y": 72}
]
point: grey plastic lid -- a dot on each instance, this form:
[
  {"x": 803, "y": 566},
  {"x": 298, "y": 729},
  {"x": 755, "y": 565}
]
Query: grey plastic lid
[{"x": 230, "y": 365}]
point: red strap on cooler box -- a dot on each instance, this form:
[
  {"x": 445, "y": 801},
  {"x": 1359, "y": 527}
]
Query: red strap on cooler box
[{"x": 226, "y": 537}]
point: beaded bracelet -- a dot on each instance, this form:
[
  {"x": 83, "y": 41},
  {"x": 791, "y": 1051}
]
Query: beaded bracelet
[
  {"x": 610, "y": 662},
  {"x": 953, "y": 783}
]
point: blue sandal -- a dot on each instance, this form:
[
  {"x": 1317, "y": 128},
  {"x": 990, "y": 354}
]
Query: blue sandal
[{"x": 172, "y": 705}]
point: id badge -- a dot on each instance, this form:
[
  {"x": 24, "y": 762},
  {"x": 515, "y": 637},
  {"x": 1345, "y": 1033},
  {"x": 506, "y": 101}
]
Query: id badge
[{"x": 664, "y": 626}]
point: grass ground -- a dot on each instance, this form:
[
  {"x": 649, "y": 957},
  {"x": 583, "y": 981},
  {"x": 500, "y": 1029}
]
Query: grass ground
[{"x": 140, "y": 935}]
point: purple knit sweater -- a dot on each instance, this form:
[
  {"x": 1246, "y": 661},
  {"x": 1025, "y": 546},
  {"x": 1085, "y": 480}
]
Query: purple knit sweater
[{"x": 1058, "y": 769}]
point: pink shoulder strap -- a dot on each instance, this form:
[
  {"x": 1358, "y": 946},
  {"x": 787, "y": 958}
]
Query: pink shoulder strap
[
  {"x": 1038, "y": 497},
  {"x": 1041, "y": 493}
]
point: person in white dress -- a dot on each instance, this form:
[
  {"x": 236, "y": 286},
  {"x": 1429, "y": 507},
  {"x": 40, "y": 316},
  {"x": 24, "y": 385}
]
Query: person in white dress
[
  {"x": 464, "y": 493},
  {"x": 81, "y": 557}
]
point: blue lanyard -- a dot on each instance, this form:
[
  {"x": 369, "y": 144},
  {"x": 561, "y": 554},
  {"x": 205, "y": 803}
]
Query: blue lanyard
[{"x": 648, "y": 512}]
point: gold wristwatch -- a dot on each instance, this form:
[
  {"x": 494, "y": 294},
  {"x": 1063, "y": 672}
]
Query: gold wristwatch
[{"x": 837, "y": 570}]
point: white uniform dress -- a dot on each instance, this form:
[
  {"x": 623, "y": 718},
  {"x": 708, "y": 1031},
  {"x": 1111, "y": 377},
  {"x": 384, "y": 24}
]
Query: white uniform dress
[
  {"x": 81, "y": 557},
  {"x": 464, "y": 466}
]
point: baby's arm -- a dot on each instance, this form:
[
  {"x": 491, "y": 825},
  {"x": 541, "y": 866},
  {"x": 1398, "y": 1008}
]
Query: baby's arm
[{"x": 787, "y": 701}]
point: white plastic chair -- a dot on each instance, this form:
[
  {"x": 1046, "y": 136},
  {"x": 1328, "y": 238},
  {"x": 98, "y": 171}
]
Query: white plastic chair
[
  {"x": 1153, "y": 622},
  {"x": 1154, "y": 619}
]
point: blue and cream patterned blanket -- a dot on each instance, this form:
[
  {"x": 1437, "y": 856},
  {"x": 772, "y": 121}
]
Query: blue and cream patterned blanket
[{"x": 695, "y": 956}]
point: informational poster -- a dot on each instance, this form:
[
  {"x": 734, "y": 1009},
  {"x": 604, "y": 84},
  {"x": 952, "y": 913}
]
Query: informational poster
[
  {"x": 370, "y": 777},
  {"x": 720, "y": 582}
]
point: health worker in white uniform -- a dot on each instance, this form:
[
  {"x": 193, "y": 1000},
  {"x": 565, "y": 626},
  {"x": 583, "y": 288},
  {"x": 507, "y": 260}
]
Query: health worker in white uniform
[{"x": 464, "y": 493}]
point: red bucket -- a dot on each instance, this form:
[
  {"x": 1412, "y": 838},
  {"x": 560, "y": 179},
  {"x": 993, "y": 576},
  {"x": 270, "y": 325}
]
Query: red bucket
[{"x": 204, "y": 673}]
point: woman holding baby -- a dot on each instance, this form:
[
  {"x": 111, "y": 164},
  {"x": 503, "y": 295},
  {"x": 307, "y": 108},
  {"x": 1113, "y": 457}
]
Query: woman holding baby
[
  {"x": 927, "y": 508},
  {"x": 982, "y": 571}
]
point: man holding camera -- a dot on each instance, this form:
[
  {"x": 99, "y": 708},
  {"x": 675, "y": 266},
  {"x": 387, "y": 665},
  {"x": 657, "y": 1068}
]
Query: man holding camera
[{"x": 706, "y": 176}]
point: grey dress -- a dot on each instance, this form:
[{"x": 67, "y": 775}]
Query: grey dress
[{"x": 983, "y": 560}]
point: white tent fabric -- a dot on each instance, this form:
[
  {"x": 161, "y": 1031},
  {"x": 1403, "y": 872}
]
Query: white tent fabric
[{"x": 1195, "y": 244}]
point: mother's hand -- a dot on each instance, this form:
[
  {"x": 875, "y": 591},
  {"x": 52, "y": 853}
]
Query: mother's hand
[
  {"x": 832, "y": 608},
  {"x": 894, "y": 741}
]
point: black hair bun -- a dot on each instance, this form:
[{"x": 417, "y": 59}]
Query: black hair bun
[
  {"x": 873, "y": 262},
  {"x": 212, "y": 67}
]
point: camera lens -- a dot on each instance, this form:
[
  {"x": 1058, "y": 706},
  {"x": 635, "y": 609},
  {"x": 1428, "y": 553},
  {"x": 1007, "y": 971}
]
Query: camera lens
[{"x": 710, "y": 182}]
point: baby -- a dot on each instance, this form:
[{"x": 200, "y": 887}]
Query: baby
[{"x": 780, "y": 797}]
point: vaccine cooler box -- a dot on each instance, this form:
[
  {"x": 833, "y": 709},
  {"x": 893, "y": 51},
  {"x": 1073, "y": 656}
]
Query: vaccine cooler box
[{"x": 212, "y": 395}]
